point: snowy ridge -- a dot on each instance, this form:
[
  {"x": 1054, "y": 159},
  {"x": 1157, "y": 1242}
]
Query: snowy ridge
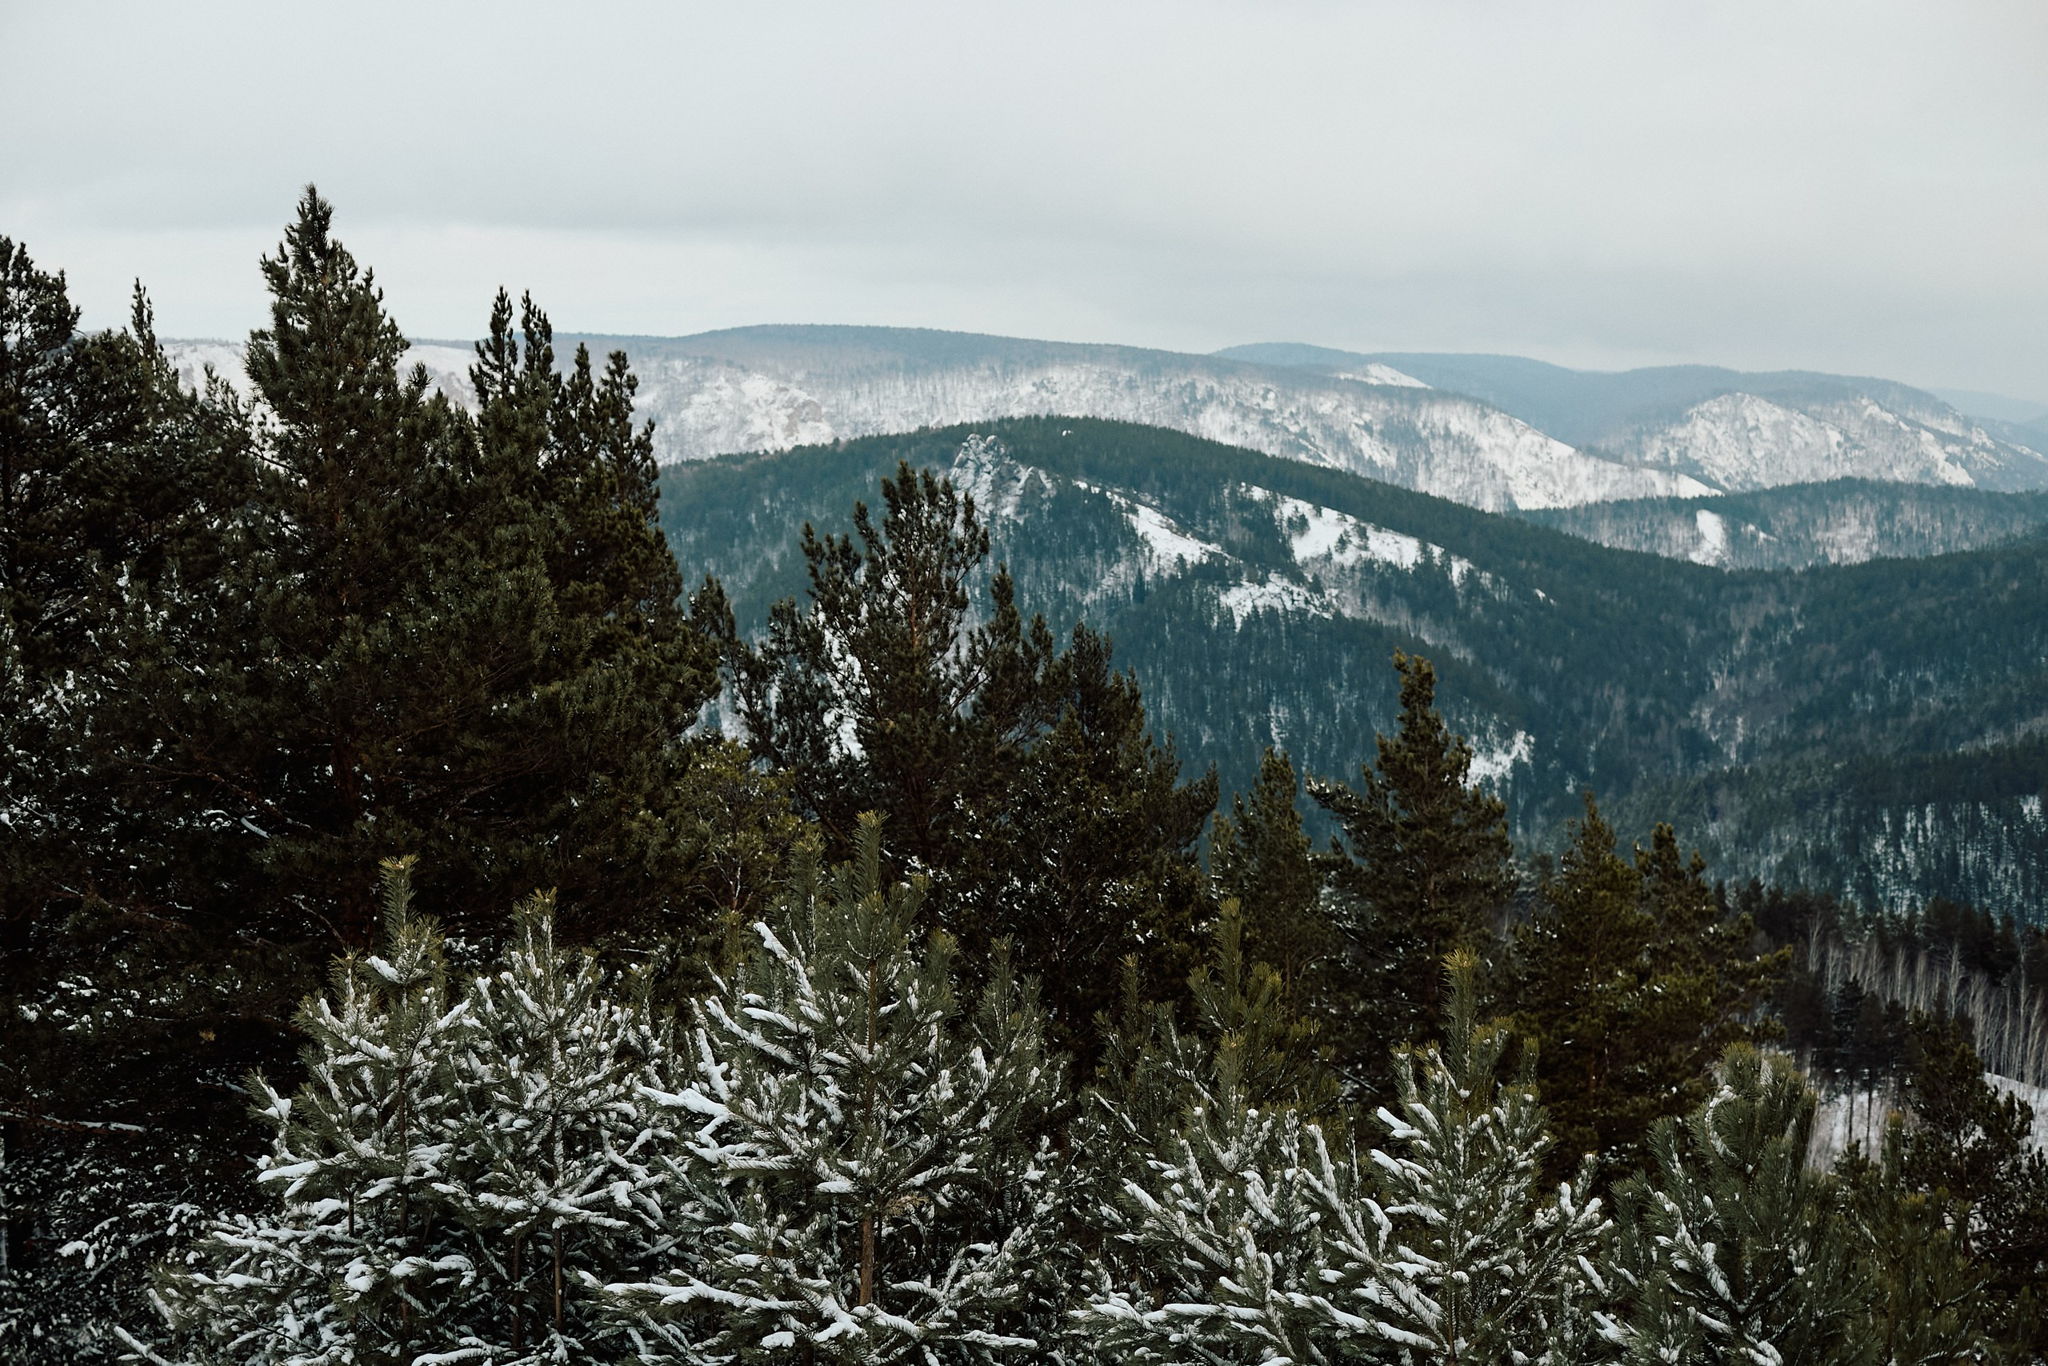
[
  {"x": 1375, "y": 421},
  {"x": 1374, "y": 372},
  {"x": 1739, "y": 442},
  {"x": 754, "y": 389},
  {"x": 1333, "y": 569}
]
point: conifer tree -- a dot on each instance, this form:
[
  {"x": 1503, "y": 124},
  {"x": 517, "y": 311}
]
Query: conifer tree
[
  {"x": 1259, "y": 856},
  {"x": 1625, "y": 977},
  {"x": 455, "y": 1173},
  {"x": 1582, "y": 965},
  {"x": 553, "y": 1172},
  {"x": 1082, "y": 854},
  {"x": 1450, "y": 1250},
  {"x": 1426, "y": 864},
  {"x": 1968, "y": 1151},
  {"x": 110, "y": 489},
  {"x": 1928, "y": 1299},
  {"x": 1020, "y": 778},
  {"x": 1203, "y": 1150},
  {"x": 865, "y": 1145},
  {"x": 887, "y": 657},
  {"x": 1242, "y": 1235},
  {"x": 1735, "y": 1251},
  {"x": 358, "y": 1260},
  {"x": 422, "y": 634}
]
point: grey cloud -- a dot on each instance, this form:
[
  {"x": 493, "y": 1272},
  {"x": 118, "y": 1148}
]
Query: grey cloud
[{"x": 1848, "y": 186}]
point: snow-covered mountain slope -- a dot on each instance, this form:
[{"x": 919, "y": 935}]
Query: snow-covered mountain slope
[
  {"x": 1795, "y": 525},
  {"x": 1739, "y": 442},
  {"x": 1731, "y": 429},
  {"x": 1497, "y": 433},
  {"x": 1873, "y": 729},
  {"x": 447, "y": 365},
  {"x": 775, "y": 388},
  {"x": 772, "y": 388}
]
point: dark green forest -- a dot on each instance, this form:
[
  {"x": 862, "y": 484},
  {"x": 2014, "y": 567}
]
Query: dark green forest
[
  {"x": 1871, "y": 730},
  {"x": 469, "y": 895}
]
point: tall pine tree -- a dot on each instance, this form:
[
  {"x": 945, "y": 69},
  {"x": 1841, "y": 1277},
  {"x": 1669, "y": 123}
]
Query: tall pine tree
[
  {"x": 1020, "y": 778},
  {"x": 1425, "y": 866}
]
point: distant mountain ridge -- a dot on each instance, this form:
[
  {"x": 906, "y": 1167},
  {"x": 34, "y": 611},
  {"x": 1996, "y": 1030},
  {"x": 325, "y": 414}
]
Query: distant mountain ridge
[
  {"x": 1497, "y": 433},
  {"x": 1847, "y": 521},
  {"x": 1735, "y": 430},
  {"x": 1874, "y": 729}
]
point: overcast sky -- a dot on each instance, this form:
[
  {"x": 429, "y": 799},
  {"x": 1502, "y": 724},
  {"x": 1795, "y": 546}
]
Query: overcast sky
[{"x": 1857, "y": 187}]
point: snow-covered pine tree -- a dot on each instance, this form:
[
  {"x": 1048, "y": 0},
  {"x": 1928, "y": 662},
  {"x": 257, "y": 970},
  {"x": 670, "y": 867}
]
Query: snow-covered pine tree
[
  {"x": 454, "y": 1177},
  {"x": 1733, "y": 1251},
  {"x": 870, "y": 1142},
  {"x": 1202, "y": 1167},
  {"x": 552, "y": 1168},
  {"x": 358, "y": 1262},
  {"x": 1446, "y": 1250}
]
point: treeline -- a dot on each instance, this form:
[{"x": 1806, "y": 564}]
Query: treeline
[
  {"x": 745, "y": 1110},
  {"x": 834, "y": 1155},
  {"x": 1862, "y": 730}
]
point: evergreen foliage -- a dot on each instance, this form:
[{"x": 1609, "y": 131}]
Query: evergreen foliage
[
  {"x": 1631, "y": 983},
  {"x": 1968, "y": 1152},
  {"x": 1259, "y": 856},
  {"x": 1021, "y": 779},
  {"x": 1735, "y": 1251},
  {"x": 455, "y": 1170},
  {"x": 1243, "y": 1238},
  {"x": 1426, "y": 866},
  {"x": 873, "y": 1188},
  {"x": 250, "y": 650},
  {"x": 1461, "y": 1256}
]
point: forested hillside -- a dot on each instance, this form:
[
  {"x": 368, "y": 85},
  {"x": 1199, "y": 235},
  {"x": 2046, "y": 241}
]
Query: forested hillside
[
  {"x": 1869, "y": 729},
  {"x": 431, "y": 931},
  {"x": 1847, "y": 521}
]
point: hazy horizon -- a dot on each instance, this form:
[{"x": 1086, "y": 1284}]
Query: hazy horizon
[{"x": 1851, "y": 188}]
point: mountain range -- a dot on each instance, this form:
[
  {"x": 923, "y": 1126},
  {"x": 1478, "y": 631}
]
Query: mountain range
[
  {"x": 1262, "y": 529},
  {"x": 1496, "y": 433},
  {"x": 1878, "y": 730}
]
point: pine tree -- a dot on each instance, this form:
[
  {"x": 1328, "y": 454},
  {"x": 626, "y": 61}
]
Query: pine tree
[
  {"x": 1968, "y": 1152},
  {"x": 1083, "y": 853},
  {"x": 865, "y": 1144},
  {"x": 1735, "y": 1251},
  {"x": 1582, "y": 963},
  {"x": 421, "y": 633},
  {"x": 109, "y": 1157},
  {"x": 555, "y": 1178},
  {"x": 358, "y": 1260},
  {"x": 1427, "y": 865},
  {"x": 1928, "y": 1300},
  {"x": 1204, "y": 1152},
  {"x": 886, "y": 657},
  {"x": 1625, "y": 977},
  {"x": 1020, "y": 778},
  {"x": 1449, "y": 1250},
  {"x": 1219, "y": 1250},
  {"x": 454, "y": 1175},
  {"x": 1259, "y": 856}
]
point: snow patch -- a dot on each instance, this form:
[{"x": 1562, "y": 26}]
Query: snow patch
[
  {"x": 1713, "y": 546},
  {"x": 1274, "y": 595},
  {"x": 1319, "y": 535},
  {"x": 1492, "y": 765},
  {"x": 1376, "y": 373},
  {"x": 1167, "y": 546}
]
